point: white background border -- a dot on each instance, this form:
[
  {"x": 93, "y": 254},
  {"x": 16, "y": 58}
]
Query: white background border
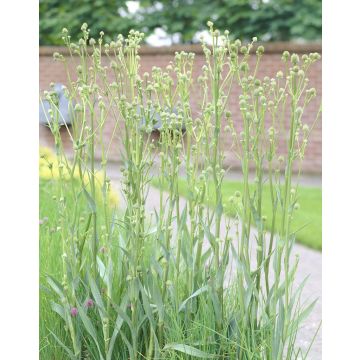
[{"x": 19, "y": 180}]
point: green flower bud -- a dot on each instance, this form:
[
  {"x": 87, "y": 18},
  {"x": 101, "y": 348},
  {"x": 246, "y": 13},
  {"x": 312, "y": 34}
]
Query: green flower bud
[
  {"x": 244, "y": 67},
  {"x": 271, "y": 131},
  {"x": 295, "y": 59},
  {"x": 58, "y": 57},
  {"x": 285, "y": 56},
  {"x": 238, "y": 43},
  {"x": 311, "y": 92},
  {"x": 242, "y": 104},
  {"x": 298, "y": 111},
  {"x": 260, "y": 50}
]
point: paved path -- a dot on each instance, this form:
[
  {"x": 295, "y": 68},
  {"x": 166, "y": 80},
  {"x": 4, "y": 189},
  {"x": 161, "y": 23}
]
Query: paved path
[{"x": 309, "y": 264}]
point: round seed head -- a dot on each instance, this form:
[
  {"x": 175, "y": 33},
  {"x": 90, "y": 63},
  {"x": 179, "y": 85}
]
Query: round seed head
[
  {"x": 295, "y": 59},
  {"x": 260, "y": 50},
  {"x": 285, "y": 56}
]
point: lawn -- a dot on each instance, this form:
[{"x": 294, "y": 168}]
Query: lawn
[
  {"x": 307, "y": 217},
  {"x": 50, "y": 264}
]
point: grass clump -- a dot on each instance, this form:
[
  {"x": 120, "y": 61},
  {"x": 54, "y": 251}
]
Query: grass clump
[
  {"x": 132, "y": 285},
  {"x": 307, "y": 221}
]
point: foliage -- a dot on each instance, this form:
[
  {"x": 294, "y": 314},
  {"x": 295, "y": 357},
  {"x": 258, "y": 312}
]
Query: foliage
[
  {"x": 100, "y": 14},
  {"x": 173, "y": 284},
  {"x": 270, "y": 20}
]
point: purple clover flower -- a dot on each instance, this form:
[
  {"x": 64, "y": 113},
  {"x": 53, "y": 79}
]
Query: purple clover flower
[
  {"x": 74, "y": 311},
  {"x": 89, "y": 303}
]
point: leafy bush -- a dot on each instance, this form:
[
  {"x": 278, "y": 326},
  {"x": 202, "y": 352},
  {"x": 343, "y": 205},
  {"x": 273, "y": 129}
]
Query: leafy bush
[
  {"x": 175, "y": 284},
  {"x": 275, "y": 20}
]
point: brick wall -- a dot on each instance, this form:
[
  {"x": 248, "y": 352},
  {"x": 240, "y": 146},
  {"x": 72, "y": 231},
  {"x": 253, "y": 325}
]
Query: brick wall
[{"x": 51, "y": 71}]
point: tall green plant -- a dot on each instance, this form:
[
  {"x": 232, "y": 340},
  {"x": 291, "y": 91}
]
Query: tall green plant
[{"x": 178, "y": 284}]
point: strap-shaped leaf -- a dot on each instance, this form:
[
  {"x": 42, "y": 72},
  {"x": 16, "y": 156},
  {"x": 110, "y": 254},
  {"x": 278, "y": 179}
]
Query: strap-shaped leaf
[
  {"x": 68, "y": 351},
  {"x": 196, "y": 293},
  {"x": 55, "y": 286},
  {"x": 58, "y": 309},
  {"x": 189, "y": 350},
  {"x": 89, "y": 328},
  {"x": 90, "y": 201}
]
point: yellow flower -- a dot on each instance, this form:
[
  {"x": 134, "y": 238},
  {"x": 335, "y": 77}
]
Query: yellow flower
[
  {"x": 113, "y": 198},
  {"x": 49, "y": 169}
]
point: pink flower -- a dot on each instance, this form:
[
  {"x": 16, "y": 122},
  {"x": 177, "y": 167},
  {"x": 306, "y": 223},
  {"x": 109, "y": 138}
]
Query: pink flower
[
  {"x": 74, "y": 311},
  {"x": 89, "y": 303}
]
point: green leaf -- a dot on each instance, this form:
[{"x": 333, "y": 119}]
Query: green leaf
[
  {"x": 58, "y": 309},
  {"x": 196, "y": 293},
  {"x": 69, "y": 352},
  {"x": 302, "y": 316},
  {"x": 146, "y": 305},
  {"x": 156, "y": 296},
  {"x": 125, "y": 318},
  {"x": 106, "y": 273},
  {"x": 128, "y": 345},
  {"x": 118, "y": 324},
  {"x": 97, "y": 296},
  {"x": 89, "y": 328},
  {"x": 55, "y": 286},
  {"x": 90, "y": 200},
  {"x": 189, "y": 350}
]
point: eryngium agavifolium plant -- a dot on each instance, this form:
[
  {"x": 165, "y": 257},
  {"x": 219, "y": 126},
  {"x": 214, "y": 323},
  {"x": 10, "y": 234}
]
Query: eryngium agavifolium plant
[{"x": 180, "y": 282}]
